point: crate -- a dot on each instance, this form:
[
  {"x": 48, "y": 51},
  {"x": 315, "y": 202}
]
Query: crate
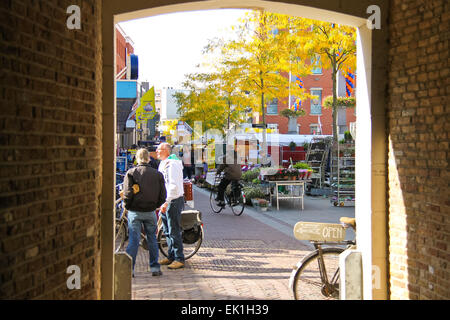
[{"x": 188, "y": 195}]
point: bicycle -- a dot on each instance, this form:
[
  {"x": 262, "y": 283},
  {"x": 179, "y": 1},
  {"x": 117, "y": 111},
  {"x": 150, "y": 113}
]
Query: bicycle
[
  {"x": 316, "y": 276},
  {"x": 234, "y": 197}
]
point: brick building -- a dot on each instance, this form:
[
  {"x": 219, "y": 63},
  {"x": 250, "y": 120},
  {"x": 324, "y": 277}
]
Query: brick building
[
  {"x": 57, "y": 133},
  {"x": 317, "y": 116},
  {"x": 124, "y": 47}
]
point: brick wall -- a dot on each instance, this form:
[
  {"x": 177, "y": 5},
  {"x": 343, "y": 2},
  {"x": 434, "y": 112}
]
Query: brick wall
[
  {"x": 418, "y": 115},
  {"x": 323, "y": 81},
  {"x": 50, "y": 163}
]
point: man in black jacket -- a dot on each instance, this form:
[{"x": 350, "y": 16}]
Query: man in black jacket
[{"x": 144, "y": 191}]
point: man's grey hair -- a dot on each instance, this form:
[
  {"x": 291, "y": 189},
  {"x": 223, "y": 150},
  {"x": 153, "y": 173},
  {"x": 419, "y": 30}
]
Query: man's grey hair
[
  {"x": 167, "y": 146},
  {"x": 142, "y": 156}
]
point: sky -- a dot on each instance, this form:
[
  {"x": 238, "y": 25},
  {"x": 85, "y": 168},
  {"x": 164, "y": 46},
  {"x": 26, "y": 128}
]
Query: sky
[{"x": 169, "y": 46}]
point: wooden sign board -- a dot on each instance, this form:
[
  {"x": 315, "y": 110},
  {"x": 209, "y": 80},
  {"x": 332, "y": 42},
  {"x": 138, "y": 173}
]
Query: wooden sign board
[{"x": 314, "y": 231}]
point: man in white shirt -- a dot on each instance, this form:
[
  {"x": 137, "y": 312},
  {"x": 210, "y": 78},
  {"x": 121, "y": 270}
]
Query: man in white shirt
[{"x": 172, "y": 169}]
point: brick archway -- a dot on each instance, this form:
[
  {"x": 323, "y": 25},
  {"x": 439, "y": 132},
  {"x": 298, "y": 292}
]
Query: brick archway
[{"x": 371, "y": 172}]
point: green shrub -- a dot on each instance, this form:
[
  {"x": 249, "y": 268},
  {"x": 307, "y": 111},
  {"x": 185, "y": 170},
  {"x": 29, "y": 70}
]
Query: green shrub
[
  {"x": 301, "y": 165},
  {"x": 253, "y": 192},
  {"x": 250, "y": 175}
]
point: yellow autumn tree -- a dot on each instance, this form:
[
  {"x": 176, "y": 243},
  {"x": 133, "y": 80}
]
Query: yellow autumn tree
[{"x": 257, "y": 63}]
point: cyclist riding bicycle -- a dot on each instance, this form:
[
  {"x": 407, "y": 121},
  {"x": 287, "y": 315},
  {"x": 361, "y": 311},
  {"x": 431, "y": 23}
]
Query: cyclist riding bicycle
[{"x": 232, "y": 173}]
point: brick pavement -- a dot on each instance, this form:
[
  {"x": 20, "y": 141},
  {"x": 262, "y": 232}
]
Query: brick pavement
[{"x": 240, "y": 258}]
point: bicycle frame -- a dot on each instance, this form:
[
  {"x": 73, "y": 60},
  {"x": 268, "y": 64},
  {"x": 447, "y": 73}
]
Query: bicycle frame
[{"x": 328, "y": 288}]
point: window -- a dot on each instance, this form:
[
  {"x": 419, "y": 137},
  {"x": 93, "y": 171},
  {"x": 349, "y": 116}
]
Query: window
[
  {"x": 314, "y": 128},
  {"x": 316, "y": 103},
  {"x": 273, "y": 126},
  {"x": 272, "y": 107},
  {"x": 315, "y": 61}
]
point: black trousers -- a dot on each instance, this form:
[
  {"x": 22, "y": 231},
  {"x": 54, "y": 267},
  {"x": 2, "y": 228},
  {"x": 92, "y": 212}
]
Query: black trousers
[{"x": 223, "y": 186}]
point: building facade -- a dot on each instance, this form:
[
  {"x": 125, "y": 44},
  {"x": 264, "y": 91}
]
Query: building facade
[{"x": 318, "y": 118}]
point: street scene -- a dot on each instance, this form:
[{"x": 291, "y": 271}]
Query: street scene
[
  {"x": 288, "y": 135},
  {"x": 242, "y": 257},
  {"x": 269, "y": 151}
]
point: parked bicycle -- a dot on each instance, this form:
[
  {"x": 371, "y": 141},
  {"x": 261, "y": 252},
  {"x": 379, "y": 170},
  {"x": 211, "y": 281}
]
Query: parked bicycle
[
  {"x": 316, "y": 276},
  {"x": 192, "y": 233},
  {"x": 234, "y": 196}
]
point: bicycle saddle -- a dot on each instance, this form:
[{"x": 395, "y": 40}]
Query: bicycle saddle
[{"x": 350, "y": 221}]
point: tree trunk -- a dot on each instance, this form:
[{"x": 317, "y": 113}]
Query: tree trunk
[
  {"x": 334, "y": 108},
  {"x": 264, "y": 143}
]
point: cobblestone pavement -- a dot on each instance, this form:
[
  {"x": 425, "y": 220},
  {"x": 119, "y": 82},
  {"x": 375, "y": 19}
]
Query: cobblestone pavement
[{"x": 240, "y": 258}]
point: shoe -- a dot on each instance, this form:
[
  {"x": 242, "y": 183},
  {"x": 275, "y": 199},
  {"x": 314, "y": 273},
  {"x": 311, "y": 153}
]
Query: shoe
[
  {"x": 176, "y": 265},
  {"x": 220, "y": 203},
  {"x": 156, "y": 273},
  {"x": 165, "y": 262}
]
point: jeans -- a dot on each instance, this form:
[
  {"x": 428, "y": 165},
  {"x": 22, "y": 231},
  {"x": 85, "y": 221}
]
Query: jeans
[
  {"x": 148, "y": 219},
  {"x": 172, "y": 229}
]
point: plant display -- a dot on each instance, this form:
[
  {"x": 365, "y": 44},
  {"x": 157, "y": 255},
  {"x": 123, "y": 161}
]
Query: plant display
[
  {"x": 348, "y": 102},
  {"x": 250, "y": 175},
  {"x": 253, "y": 193}
]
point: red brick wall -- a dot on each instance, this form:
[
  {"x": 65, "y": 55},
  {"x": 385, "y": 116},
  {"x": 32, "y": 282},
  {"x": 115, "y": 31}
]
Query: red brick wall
[
  {"x": 418, "y": 115},
  {"x": 50, "y": 154}
]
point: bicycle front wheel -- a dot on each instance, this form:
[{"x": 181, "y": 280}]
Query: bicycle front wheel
[
  {"x": 121, "y": 234},
  {"x": 308, "y": 279},
  {"x": 212, "y": 201}
]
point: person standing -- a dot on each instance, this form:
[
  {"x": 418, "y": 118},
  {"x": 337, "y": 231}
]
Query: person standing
[
  {"x": 144, "y": 191},
  {"x": 172, "y": 169}
]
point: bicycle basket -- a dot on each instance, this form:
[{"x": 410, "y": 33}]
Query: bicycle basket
[
  {"x": 190, "y": 219},
  {"x": 192, "y": 235}
]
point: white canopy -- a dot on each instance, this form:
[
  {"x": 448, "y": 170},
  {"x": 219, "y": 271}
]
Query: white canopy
[{"x": 280, "y": 139}]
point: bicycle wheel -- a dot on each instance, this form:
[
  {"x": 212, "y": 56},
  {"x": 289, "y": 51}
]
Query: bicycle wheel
[
  {"x": 212, "y": 200},
  {"x": 307, "y": 282},
  {"x": 238, "y": 206},
  {"x": 121, "y": 234},
  {"x": 189, "y": 249}
]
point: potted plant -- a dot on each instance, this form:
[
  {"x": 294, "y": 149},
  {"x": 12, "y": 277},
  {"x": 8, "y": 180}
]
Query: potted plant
[
  {"x": 253, "y": 193},
  {"x": 263, "y": 204},
  {"x": 292, "y": 173},
  {"x": 292, "y": 145}
]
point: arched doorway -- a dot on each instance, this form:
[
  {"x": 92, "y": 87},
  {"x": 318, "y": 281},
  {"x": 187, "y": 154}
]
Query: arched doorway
[{"x": 371, "y": 149}]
